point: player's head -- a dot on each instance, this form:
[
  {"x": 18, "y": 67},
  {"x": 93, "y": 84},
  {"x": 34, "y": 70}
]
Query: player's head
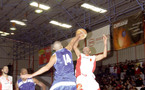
[
  {"x": 5, "y": 70},
  {"x": 86, "y": 50},
  {"x": 23, "y": 71},
  {"x": 57, "y": 45}
]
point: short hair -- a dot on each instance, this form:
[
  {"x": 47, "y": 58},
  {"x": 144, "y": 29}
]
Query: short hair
[
  {"x": 4, "y": 66},
  {"x": 23, "y": 69},
  {"x": 57, "y": 43},
  {"x": 85, "y": 48}
]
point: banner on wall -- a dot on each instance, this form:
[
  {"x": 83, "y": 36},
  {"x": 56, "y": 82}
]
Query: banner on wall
[
  {"x": 44, "y": 55},
  {"x": 95, "y": 39},
  {"x": 128, "y": 32}
]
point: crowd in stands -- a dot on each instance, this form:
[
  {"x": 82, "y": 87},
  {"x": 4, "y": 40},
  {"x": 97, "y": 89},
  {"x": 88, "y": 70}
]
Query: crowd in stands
[{"x": 122, "y": 76}]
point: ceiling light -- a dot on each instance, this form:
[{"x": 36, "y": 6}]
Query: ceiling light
[
  {"x": 93, "y": 8},
  {"x": 5, "y": 34},
  {"x": 18, "y": 22},
  {"x": 38, "y": 11},
  {"x": 66, "y": 25},
  {"x": 44, "y": 7},
  {"x": 12, "y": 28},
  {"x": 35, "y": 4},
  {"x": 12, "y": 33},
  {"x": 1, "y": 32},
  {"x": 55, "y": 22},
  {"x": 41, "y": 6},
  {"x": 60, "y": 24}
]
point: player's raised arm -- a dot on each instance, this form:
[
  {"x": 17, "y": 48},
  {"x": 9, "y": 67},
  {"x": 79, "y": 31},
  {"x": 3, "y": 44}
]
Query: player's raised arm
[
  {"x": 43, "y": 69},
  {"x": 75, "y": 47},
  {"x": 80, "y": 34},
  {"x": 70, "y": 45},
  {"x": 101, "y": 56}
]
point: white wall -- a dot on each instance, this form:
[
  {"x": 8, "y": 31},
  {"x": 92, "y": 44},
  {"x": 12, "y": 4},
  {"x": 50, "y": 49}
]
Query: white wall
[
  {"x": 126, "y": 54},
  {"x": 140, "y": 51},
  {"x": 111, "y": 58},
  {"x": 131, "y": 53}
]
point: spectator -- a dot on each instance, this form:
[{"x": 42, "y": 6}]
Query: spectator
[
  {"x": 143, "y": 87},
  {"x": 139, "y": 82},
  {"x": 137, "y": 70},
  {"x": 131, "y": 77}
]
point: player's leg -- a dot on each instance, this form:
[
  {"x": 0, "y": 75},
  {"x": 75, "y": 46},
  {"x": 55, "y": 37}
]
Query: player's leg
[
  {"x": 81, "y": 82},
  {"x": 92, "y": 84}
]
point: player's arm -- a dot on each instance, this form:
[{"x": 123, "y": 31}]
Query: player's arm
[
  {"x": 42, "y": 85},
  {"x": 16, "y": 86},
  {"x": 75, "y": 47},
  {"x": 101, "y": 56},
  {"x": 72, "y": 42},
  {"x": 43, "y": 69}
]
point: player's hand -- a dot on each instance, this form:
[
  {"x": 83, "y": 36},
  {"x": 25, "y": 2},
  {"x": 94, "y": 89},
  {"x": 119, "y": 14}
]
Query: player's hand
[
  {"x": 105, "y": 39},
  {"x": 26, "y": 76},
  {"x": 80, "y": 35}
]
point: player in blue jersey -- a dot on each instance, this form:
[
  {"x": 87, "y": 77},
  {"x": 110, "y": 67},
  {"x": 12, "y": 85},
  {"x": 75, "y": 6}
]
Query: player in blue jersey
[
  {"x": 29, "y": 83},
  {"x": 64, "y": 78}
]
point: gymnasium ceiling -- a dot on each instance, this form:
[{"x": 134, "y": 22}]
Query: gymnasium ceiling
[{"x": 38, "y": 30}]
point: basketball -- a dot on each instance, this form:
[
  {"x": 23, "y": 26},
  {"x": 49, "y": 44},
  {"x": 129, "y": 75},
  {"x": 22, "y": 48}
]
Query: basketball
[{"x": 83, "y": 31}]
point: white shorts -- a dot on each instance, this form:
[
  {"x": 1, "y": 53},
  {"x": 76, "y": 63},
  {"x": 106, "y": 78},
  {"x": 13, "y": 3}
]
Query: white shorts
[{"x": 87, "y": 82}]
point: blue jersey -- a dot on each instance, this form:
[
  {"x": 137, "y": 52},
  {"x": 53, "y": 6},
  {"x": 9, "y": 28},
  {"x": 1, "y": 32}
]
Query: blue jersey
[
  {"x": 64, "y": 64},
  {"x": 64, "y": 78},
  {"x": 26, "y": 85}
]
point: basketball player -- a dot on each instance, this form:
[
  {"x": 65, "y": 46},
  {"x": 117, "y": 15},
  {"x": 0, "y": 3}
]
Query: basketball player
[
  {"x": 86, "y": 66},
  {"x": 64, "y": 78},
  {"x": 29, "y": 83},
  {"x": 5, "y": 80}
]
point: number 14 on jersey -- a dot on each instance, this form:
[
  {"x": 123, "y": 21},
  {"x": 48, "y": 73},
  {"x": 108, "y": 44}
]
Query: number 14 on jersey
[{"x": 66, "y": 59}]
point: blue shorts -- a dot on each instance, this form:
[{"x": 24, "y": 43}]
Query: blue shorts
[
  {"x": 67, "y": 82},
  {"x": 64, "y": 85}
]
